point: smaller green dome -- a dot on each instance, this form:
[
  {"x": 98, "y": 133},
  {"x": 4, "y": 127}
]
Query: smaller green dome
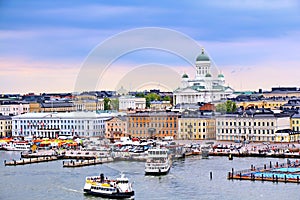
[
  {"x": 202, "y": 56},
  {"x": 220, "y": 76},
  {"x": 208, "y": 75},
  {"x": 185, "y": 76}
]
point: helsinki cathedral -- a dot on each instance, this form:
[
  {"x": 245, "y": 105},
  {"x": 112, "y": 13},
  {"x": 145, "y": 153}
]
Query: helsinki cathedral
[{"x": 204, "y": 88}]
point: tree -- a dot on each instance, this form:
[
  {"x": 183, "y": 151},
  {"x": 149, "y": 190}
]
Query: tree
[
  {"x": 151, "y": 97},
  {"x": 227, "y": 107},
  {"x": 167, "y": 98},
  {"x": 140, "y": 95},
  {"x": 114, "y": 104},
  {"x": 221, "y": 108},
  {"x": 106, "y": 103}
]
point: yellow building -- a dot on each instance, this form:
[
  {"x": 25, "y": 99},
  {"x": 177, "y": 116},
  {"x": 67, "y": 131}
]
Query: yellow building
[
  {"x": 194, "y": 126},
  {"x": 295, "y": 122},
  {"x": 57, "y": 106},
  {"x": 35, "y": 107},
  {"x": 272, "y": 104},
  {"x": 160, "y": 105},
  {"x": 287, "y": 135},
  {"x": 153, "y": 124},
  {"x": 87, "y": 102},
  {"x": 5, "y": 126}
]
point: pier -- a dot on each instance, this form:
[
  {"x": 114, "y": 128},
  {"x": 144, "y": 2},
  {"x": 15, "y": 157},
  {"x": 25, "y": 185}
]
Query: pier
[
  {"x": 26, "y": 161},
  {"x": 285, "y": 172},
  {"x": 82, "y": 163}
]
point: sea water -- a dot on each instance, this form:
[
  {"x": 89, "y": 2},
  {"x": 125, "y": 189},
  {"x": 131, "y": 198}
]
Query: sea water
[{"x": 189, "y": 178}]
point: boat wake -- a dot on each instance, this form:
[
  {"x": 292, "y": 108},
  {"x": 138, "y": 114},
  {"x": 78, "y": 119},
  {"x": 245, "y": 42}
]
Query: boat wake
[{"x": 72, "y": 190}]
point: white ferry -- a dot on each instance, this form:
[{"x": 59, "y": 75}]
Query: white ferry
[
  {"x": 158, "y": 162},
  {"x": 17, "y": 146},
  {"x": 108, "y": 188}
]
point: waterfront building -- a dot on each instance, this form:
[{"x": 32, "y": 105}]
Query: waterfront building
[
  {"x": 272, "y": 104},
  {"x": 160, "y": 105},
  {"x": 295, "y": 124},
  {"x": 255, "y": 125},
  {"x": 35, "y": 107},
  {"x": 131, "y": 103},
  {"x": 13, "y": 108},
  {"x": 287, "y": 135},
  {"x": 87, "y": 102},
  {"x": 5, "y": 126},
  {"x": 282, "y": 92},
  {"x": 116, "y": 127},
  {"x": 293, "y": 103},
  {"x": 153, "y": 124},
  {"x": 52, "y": 106},
  {"x": 52, "y": 125},
  {"x": 204, "y": 88},
  {"x": 57, "y": 106},
  {"x": 194, "y": 125}
]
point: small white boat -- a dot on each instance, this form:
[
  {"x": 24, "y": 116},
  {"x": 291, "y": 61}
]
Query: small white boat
[
  {"x": 158, "y": 162},
  {"x": 120, "y": 188},
  {"x": 17, "y": 146}
]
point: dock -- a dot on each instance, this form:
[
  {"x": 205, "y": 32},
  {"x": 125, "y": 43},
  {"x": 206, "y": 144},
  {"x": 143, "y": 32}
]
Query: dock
[
  {"x": 285, "y": 172},
  {"x": 82, "y": 163},
  {"x": 26, "y": 161},
  {"x": 254, "y": 154}
]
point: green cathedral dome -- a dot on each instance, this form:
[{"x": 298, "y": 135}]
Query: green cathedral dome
[
  {"x": 202, "y": 57},
  {"x": 185, "y": 75}
]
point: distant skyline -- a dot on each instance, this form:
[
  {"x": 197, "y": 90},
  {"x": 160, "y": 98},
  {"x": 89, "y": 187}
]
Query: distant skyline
[{"x": 43, "y": 44}]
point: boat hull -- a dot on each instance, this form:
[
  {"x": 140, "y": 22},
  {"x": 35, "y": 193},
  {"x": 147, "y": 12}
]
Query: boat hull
[
  {"x": 119, "y": 195},
  {"x": 157, "y": 172}
]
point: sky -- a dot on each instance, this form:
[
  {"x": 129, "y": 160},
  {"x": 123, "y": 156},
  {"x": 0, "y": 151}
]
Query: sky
[{"x": 44, "y": 45}]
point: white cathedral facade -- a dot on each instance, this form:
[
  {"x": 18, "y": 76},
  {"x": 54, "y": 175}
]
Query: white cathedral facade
[{"x": 204, "y": 88}]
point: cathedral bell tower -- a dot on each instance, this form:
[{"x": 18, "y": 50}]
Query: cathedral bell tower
[{"x": 202, "y": 65}]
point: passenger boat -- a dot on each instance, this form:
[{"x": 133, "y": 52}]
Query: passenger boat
[
  {"x": 120, "y": 188},
  {"x": 17, "y": 146},
  {"x": 158, "y": 162},
  {"x": 205, "y": 148}
]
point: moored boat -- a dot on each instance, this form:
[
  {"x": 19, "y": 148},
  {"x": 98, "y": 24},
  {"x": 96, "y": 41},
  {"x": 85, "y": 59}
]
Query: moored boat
[
  {"x": 158, "y": 162},
  {"x": 118, "y": 188},
  {"x": 17, "y": 146}
]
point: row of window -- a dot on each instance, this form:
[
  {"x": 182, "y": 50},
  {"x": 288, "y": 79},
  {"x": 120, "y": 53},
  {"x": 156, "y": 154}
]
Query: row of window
[
  {"x": 151, "y": 118},
  {"x": 195, "y": 124},
  {"x": 222, "y": 123},
  {"x": 53, "y": 134},
  {"x": 13, "y": 109},
  {"x": 240, "y": 131},
  {"x": 116, "y": 124},
  {"x": 156, "y": 125},
  {"x": 60, "y": 121},
  {"x": 24, "y": 127},
  {"x": 186, "y": 136},
  {"x": 5, "y": 122},
  {"x": 146, "y": 132},
  {"x": 295, "y": 122},
  {"x": 6, "y": 127},
  {"x": 115, "y": 129},
  {"x": 253, "y": 138},
  {"x": 194, "y": 131}
]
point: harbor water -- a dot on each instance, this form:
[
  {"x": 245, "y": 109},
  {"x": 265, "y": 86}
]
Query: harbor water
[{"x": 189, "y": 178}]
